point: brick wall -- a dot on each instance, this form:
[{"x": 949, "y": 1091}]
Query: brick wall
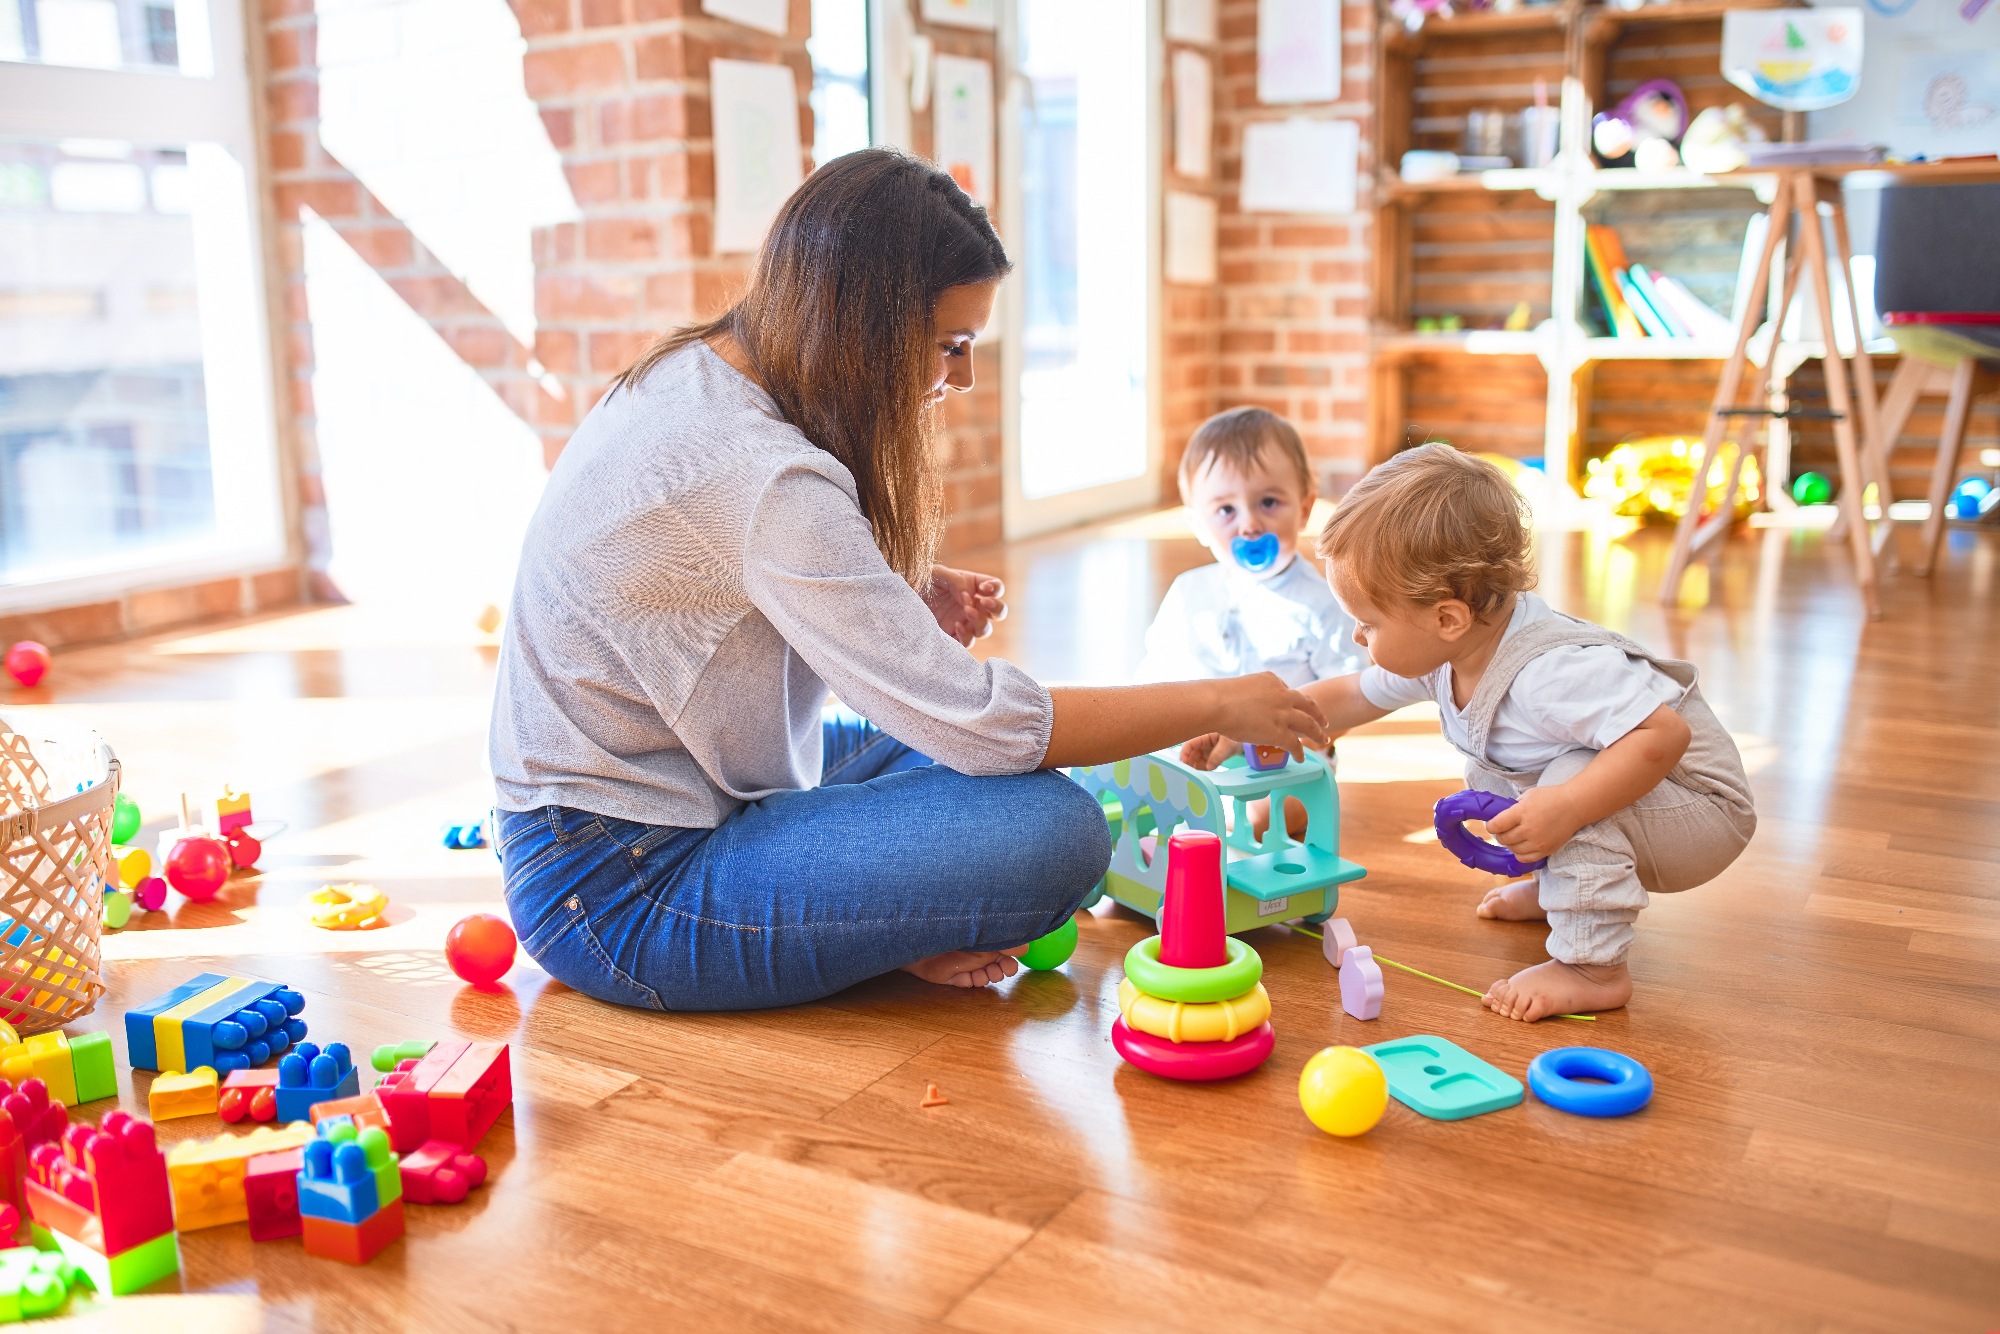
[{"x": 1292, "y": 329}]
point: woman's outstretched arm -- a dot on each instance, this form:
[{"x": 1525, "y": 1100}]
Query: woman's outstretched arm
[{"x": 1099, "y": 724}]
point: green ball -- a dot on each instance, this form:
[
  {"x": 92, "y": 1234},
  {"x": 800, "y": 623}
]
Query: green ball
[
  {"x": 117, "y": 909},
  {"x": 1811, "y": 488},
  {"x": 1052, "y": 950},
  {"x": 125, "y": 819}
]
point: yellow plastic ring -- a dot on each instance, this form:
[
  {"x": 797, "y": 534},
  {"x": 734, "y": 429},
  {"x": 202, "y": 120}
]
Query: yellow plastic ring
[
  {"x": 1177, "y": 1021},
  {"x": 1193, "y": 985}
]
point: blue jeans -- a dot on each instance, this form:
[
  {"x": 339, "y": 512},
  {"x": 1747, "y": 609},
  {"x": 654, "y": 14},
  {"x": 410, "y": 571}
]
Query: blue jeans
[{"x": 890, "y": 860}]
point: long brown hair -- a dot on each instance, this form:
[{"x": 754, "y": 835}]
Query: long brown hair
[{"x": 838, "y": 326}]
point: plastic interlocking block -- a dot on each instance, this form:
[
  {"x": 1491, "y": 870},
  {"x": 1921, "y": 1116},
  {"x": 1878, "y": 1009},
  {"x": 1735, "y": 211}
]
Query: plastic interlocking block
[
  {"x": 118, "y": 1172},
  {"x": 363, "y": 1109},
  {"x": 13, "y": 1168},
  {"x": 387, "y": 1058},
  {"x": 140, "y": 1047},
  {"x": 309, "y": 1076},
  {"x": 29, "y": 1107},
  {"x": 190, "y": 1094},
  {"x": 33, "y": 1283},
  {"x": 271, "y": 1194},
  {"x": 337, "y": 1182},
  {"x": 93, "y": 1066},
  {"x": 208, "y": 1175},
  {"x": 454, "y": 1094},
  {"x": 356, "y": 1244},
  {"x": 127, "y": 1271},
  {"x": 46, "y": 1057},
  {"x": 1443, "y": 1080},
  {"x": 441, "y": 1173},
  {"x": 373, "y": 1141}
]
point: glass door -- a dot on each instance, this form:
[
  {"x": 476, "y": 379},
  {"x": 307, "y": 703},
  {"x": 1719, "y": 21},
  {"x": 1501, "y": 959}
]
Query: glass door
[{"x": 1080, "y": 212}]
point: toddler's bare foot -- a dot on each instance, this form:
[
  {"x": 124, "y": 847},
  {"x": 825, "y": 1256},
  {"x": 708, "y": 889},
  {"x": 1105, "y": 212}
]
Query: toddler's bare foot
[
  {"x": 1560, "y": 988},
  {"x": 967, "y": 968},
  {"x": 1515, "y": 901}
]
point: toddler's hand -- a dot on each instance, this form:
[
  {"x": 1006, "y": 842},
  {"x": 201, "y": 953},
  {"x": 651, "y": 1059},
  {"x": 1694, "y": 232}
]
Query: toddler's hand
[
  {"x": 1261, "y": 710},
  {"x": 1535, "y": 826},
  {"x": 966, "y": 604},
  {"x": 1208, "y": 751}
]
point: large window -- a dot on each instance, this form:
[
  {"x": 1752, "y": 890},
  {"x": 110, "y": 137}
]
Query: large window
[
  {"x": 135, "y": 412},
  {"x": 839, "y": 47},
  {"x": 1084, "y": 139}
]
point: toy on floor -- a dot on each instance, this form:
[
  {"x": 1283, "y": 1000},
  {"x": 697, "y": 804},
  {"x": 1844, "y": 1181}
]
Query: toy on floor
[
  {"x": 1558, "y": 1076},
  {"x": 117, "y": 909},
  {"x": 1361, "y": 985},
  {"x": 231, "y": 1023},
  {"x": 33, "y": 1282},
  {"x": 74, "y": 1070},
  {"x": 387, "y": 1058},
  {"x": 455, "y": 1094},
  {"x": 441, "y": 1173},
  {"x": 1344, "y": 1091},
  {"x": 1338, "y": 938},
  {"x": 932, "y": 1098},
  {"x": 465, "y": 835},
  {"x": 361, "y": 1111},
  {"x": 104, "y": 1194},
  {"x": 198, "y": 867},
  {"x": 208, "y": 1176},
  {"x": 28, "y": 662},
  {"x": 32, "y": 1113},
  {"x": 251, "y": 1093},
  {"x": 480, "y": 949},
  {"x": 191, "y": 1094},
  {"x": 1053, "y": 950},
  {"x": 271, "y": 1194},
  {"x": 350, "y": 1197},
  {"x": 1269, "y": 879},
  {"x": 348, "y": 907},
  {"x": 150, "y": 894},
  {"x": 232, "y": 822},
  {"x": 125, "y": 818},
  {"x": 1442, "y": 1080},
  {"x": 1193, "y": 979},
  {"x": 1450, "y": 815},
  {"x": 308, "y": 1076}
]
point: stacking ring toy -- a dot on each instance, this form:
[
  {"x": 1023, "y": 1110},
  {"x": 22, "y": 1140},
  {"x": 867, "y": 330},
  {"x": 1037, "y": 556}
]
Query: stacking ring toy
[
  {"x": 1177, "y": 1021},
  {"x": 1192, "y": 1060},
  {"x": 1193, "y": 985},
  {"x": 1450, "y": 816},
  {"x": 1556, "y": 1077}
]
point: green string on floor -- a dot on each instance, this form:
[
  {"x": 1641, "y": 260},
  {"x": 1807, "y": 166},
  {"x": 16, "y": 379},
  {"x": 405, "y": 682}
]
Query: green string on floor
[{"x": 1587, "y": 1018}]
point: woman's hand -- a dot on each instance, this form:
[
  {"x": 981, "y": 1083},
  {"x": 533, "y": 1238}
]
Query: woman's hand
[
  {"x": 1262, "y": 710},
  {"x": 965, "y": 604},
  {"x": 1208, "y": 751}
]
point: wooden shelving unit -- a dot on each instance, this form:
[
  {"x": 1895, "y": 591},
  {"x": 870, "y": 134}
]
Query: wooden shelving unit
[{"x": 1478, "y": 244}]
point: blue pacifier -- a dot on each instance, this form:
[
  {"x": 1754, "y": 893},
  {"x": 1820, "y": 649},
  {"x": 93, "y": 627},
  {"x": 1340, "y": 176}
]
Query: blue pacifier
[{"x": 1255, "y": 554}]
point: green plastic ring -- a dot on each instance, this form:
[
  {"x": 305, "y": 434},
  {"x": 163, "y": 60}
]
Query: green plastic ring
[{"x": 1194, "y": 986}]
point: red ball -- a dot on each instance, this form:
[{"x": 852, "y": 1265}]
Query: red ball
[
  {"x": 244, "y": 850},
  {"x": 480, "y": 949},
  {"x": 198, "y": 867},
  {"x": 27, "y": 662}
]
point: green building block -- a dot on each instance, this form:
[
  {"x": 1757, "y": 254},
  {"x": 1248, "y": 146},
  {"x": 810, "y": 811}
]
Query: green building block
[
  {"x": 96, "y": 1071},
  {"x": 32, "y": 1283},
  {"x": 130, "y": 1271},
  {"x": 382, "y": 1162},
  {"x": 386, "y": 1058}
]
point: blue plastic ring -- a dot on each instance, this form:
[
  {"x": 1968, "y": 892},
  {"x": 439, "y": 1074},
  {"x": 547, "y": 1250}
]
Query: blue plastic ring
[{"x": 1556, "y": 1076}]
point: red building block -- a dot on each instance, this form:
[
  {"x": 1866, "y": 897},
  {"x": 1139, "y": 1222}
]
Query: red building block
[
  {"x": 454, "y": 1094},
  {"x": 13, "y": 1171},
  {"x": 356, "y": 1243},
  {"x": 38, "y": 1119},
  {"x": 441, "y": 1173},
  {"x": 271, "y": 1189},
  {"x": 251, "y": 1093},
  {"x": 115, "y": 1173}
]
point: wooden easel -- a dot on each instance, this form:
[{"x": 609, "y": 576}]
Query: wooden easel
[{"x": 1800, "y": 192}]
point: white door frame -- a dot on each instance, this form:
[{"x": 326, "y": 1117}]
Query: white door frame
[{"x": 1022, "y": 515}]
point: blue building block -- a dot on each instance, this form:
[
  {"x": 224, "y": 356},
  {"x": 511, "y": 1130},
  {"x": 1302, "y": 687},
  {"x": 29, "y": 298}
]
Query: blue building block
[
  {"x": 1443, "y": 1080},
  {"x": 243, "y": 1029},
  {"x": 308, "y": 1075},
  {"x": 140, "y": 1050},
  {"x": 337, "y": 1183}
]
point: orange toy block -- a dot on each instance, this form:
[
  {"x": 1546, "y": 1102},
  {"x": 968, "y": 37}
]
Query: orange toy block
[
  {"x": 356, "y": 1243},
  {"x": 207, "y": 1176},
  {"x": 191, "y": 1094},
  {"x": 365, "y": 1109}
]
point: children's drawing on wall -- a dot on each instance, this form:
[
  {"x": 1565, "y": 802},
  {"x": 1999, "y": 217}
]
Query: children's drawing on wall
[
  {"x": 1793, "y": 59},
  {"x": 1953, "y": 90},
  {"x": 962, "y": 124}
]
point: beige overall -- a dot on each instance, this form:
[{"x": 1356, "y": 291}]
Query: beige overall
[{"x": 1679, "y": 835}]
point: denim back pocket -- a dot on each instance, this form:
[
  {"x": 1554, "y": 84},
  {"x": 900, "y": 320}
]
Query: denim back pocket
[{"x": 566, "y": 947}]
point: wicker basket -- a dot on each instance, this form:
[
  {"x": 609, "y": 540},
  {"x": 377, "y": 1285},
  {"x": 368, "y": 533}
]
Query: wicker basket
[{"x": 56, "y": 860}]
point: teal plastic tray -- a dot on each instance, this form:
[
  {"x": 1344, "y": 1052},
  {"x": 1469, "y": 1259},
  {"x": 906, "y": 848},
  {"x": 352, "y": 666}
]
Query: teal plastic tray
[{"x": 1443, "y": 1080}]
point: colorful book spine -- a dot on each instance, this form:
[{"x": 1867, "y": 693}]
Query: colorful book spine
[
  {"x": 1598, "y": 241},
  {"x": 1701, "y": 319},
  {"x": 1647, "y": 317},
  {"x": 1643, "y": 281}
]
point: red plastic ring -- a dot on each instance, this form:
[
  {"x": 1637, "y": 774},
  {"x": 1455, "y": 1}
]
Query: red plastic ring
[{"x": 1192, "y": 1060}]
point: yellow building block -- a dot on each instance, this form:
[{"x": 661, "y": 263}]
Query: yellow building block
[
  {"x": 191, "y": 1094},
  {"x": 52, "y": 1066},
  {"x": 134, "y": 865},
  {"x": 168, "y": 1050},
  {"x": 207, "y": 1175}
]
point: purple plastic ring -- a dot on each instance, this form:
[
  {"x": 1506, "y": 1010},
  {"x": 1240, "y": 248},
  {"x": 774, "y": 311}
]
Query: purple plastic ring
[{"x": 1450, "y": 816}]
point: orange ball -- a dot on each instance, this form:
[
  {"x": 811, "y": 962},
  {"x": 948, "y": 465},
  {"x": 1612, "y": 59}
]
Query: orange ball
[{"x": 480, "y": 949}]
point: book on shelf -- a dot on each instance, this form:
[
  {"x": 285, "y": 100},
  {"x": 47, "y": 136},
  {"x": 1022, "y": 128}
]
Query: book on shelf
[
  {"x": 1695, "y": 315},
  {"x": 1638, "y": 302},
  {"x": 1649, "y": 292},
  {"x": 1604, "y": 258}
]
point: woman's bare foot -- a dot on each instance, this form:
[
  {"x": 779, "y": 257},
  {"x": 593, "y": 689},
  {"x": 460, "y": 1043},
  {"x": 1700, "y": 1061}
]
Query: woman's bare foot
[
  {"x": 1515, "y": 901},
  {"x": 1559, "y": 988},
  {"x": 968, "y": 968}
]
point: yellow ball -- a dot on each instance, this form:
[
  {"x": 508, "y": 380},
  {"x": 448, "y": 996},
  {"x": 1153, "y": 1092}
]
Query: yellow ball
[{"x": 1344, "y": 1091}]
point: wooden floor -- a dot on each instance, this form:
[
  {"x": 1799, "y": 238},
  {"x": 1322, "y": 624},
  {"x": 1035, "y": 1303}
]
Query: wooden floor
[{"x": 1823, "y": 1022}]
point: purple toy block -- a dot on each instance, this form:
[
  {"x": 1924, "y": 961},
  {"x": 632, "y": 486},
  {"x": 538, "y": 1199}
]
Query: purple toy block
[
  {"x": 1361, "y": 983},
  {"x": 1336, "y": 938}
]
